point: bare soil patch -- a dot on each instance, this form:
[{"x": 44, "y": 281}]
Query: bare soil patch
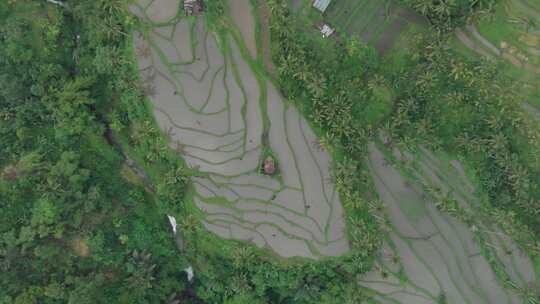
[{"x": 80, "y": 246}]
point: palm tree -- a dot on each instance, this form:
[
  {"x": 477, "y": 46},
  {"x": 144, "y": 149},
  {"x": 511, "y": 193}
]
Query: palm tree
[
  {"x": 444, "y": 8},
  {"x": 498, "y": 142},
  {"x": 424, "y": 7},
  {"x": 189, "y": 223},
  {"x": 317, "y": 86},
  {"x": 241, "y": 256},
  {"x": 140, "y": 268},
  {"x": 110, "y": 6},
  {"x": 354, "y": 202},
  {"x": 176, "y": 176},
  {"x": 459, "y": 71}
]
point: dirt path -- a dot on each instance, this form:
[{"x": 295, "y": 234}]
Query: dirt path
[
  {"x": 462, "y": 36},
  {"x": 130, "y": 163}
]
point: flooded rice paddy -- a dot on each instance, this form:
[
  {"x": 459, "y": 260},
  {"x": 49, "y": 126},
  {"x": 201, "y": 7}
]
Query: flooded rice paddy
[
  {"x": 223, "y": 117},
  {"x": 429, "y": 255},
  {"x": 212, "y": 105}
]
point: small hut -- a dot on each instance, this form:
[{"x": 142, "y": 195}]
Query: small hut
[
  {"x": 192, "y": 7},
  {"x": 269, "y": 166},
  {"x": 325, "y": 29}
]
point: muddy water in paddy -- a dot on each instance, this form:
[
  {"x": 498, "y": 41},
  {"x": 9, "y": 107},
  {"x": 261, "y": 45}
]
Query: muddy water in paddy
[
  {"x": 208, "y": 100},
  {"x": 438, "y": 254},
  {"x": 240, "y": 11}
]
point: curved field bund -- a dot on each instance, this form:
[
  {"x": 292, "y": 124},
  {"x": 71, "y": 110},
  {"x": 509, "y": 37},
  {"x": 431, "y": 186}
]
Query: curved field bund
[
  {"x": 429, "y": 256},
  {"x": 512, "y": 35},
  {"x": 223, "y": 118},
  {"x": 377, "y": 22}
]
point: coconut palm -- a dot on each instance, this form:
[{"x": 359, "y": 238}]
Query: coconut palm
[
  {"x": 241, "y": 256},
  {"x": 498, "y": 141},
  {"x": 444, "y": 8},
  {"x": 176, "y": 177},
  {"x": 140, "y": 269},
  {"x": 189, "y": 223},
  {"x": 424, "y": 7},
  {"x": 110, "y": 6}
]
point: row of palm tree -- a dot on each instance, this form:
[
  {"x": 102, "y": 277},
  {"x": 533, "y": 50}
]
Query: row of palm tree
[
  {"x": 447, "y": 14},
  {"x": 472, "y": 109},
  {"x": 334, "y": 102}
]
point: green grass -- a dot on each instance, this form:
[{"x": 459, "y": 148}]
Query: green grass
[
  {"x": 354, "y": 16},
  {"x": 364, "y": 21},
  {"x": 396, "y": 58},
  {"x": 498, "y": 28},
  {"x": 361, "y": 18},
  {"x": 530, "y": 82},
  {"x": 381, "y": 107}
]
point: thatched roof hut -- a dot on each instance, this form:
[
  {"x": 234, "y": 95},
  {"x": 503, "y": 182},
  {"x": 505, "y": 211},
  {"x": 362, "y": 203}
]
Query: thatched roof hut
[{"x": 193, "y": 7}]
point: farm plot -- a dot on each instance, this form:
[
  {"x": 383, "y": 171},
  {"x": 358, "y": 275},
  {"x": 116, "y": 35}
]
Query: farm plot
[
  {"x": 430, "y": 257},
  {"x": 511, "y": 35},
  {"x": 376, "y": 22},
  {"x": 240, "y": 11},
  {"x": 223, "y": 118}
]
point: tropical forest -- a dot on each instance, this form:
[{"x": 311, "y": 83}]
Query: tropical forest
[{"x": 270, "y": 151}]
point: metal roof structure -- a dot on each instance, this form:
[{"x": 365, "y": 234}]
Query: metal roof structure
[
  {"x": 321, "y": 4},
  {"x": 326, "y": 30}
]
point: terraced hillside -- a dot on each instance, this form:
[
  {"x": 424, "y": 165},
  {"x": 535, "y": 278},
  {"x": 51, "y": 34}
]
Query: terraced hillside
[
  {"x": 376, "y": 22},
  {"x": 224, "y": 118},
  {"x": 431, "y": 257},
  {"x": 512, "y": 34}
]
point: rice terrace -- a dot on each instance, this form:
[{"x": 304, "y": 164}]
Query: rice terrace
[
  {"x": 280, "y": 151},
  {"x": 222, "y": 115}
]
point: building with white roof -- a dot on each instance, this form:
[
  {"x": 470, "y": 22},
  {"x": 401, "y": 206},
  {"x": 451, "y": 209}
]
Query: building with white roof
[{"x": 321, "y": 5}]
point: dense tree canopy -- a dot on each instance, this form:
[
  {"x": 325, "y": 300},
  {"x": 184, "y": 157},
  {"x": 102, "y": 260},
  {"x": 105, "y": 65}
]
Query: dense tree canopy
[
  {"x": 79, "y": 225},
  {"x": 447, "y": 14},
  {"x": 72, "y": 229}
]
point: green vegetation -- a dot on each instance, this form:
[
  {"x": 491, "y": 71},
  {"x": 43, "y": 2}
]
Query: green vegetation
[
  {"x": 467, "y": 108},
  {"x": 449, "y": 107},
  {"x": 78, "y": 224},
  {"x": 256, "y": 275},
  {"x": 447, "y": 14},
  {"x": 73, "y": 229},
  {"x": 378, "y": 23},
  {"x": 509, "y": 34}
]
